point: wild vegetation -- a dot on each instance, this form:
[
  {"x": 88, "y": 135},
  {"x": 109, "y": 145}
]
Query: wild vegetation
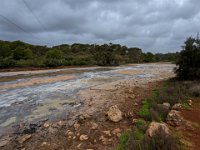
[
  {"x": 189, "y": 60},
  {"x": 173, "y": 91},
  {"x": 20, "y": 54}
]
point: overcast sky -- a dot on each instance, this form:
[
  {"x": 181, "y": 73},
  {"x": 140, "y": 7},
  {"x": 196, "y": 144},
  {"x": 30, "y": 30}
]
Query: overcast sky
[{"x": 153, "y": 25}]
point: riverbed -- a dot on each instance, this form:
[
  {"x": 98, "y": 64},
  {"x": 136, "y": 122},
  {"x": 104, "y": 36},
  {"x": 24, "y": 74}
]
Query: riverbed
[{"x": 29, "y": 96}]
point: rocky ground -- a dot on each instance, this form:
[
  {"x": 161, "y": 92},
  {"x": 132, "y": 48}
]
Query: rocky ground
[{"x": 108, "y": 110}]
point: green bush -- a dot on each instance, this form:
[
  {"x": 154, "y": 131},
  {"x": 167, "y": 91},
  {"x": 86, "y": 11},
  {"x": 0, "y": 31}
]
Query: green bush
[
  {"x": 160, "y": 141},
  {"x": 54, "y": 54},
  {"x": 188, "y": 65}
]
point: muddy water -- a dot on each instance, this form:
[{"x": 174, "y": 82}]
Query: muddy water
[{"x": 53, "y": 93}]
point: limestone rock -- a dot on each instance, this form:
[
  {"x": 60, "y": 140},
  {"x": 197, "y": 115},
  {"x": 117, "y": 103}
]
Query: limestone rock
[
  {"x": 107, "y": 133},
  {"x": 117, "y": 132},
  {"x": 76, "y": 126},
  {"x": 94, "y": 125},
  {"x": 177, "y": 106},
  {"x": 114, "y": 114},
  {"x": 103, "y": 139},
  {"x": 46, "y": 125},
  {"x": 174, "y": 118},
  {"x": 155, "y": 127},
  {"x": 166, "y": 105},
  {"x": 83, "y": 137}
]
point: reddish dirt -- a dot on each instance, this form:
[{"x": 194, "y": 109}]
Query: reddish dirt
[{"x": 193, "y": 115}]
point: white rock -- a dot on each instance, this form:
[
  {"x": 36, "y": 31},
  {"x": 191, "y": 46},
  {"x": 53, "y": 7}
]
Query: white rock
[{"x": 114, "y": 114}]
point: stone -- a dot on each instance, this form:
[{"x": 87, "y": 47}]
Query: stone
[
  {"x": 116, "y": 131},
  {"x": 46, "y": 125},
  {"x": 166, "y": 105},
  {"x": 103, "y": 139},
  {"x": 24, "y": 138},
  {"x": 190, "y": 102},
  {"x": 94, "y": 125},
  {"x": 114, "y": 114},
  {"x": 70, "y": 133},
  {"x": 156, "y": 127},
  {"x": 83, "y": 137},
  {"x": 177, "y": 106},
  {"x": 174, "y": 118},
  {"x": 76, "y": 126},
  {"x": 107, "y": 133},
  {"x": 84, "y": 116}
]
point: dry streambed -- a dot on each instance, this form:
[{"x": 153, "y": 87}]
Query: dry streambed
[{"x": 86, "y": 96}]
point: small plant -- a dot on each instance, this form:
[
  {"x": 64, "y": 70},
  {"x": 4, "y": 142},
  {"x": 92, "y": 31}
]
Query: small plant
[
  {"x": 144, "y": 110},
  {"x": 122, "y": 141},
  {"x": 138, "y": 134}
]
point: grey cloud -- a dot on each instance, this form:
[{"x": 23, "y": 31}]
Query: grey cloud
[{"x": 153, "y": 25}]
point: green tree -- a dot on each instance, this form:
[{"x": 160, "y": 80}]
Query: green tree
[
  {"x": 22, "y": 53},
  {"x": 149, "y": 57},
  {"x": 188, "y": 65},
  {"x": 54, "y": 54}
]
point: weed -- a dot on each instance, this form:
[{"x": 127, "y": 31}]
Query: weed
[
  {"x": 144, "y": 110},
  {"x": 122, "y": 141}
]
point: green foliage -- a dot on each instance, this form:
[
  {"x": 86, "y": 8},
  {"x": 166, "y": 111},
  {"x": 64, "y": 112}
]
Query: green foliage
[
  {"x": 149, "y": 57},
  {"x": 138, "y": 134},
  {"x": 144, "y": 110},
  {"x": 54, "y": 54},
  {"x": 122, "y": 141},
  {"x": 20, "y": 54},
  {"x": 189, "y": 60}
]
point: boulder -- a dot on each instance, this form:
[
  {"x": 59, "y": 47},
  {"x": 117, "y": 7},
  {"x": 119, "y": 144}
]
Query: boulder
[
  {"x": 156, "y": 127},
  {"x": 177, "y": 106},
  {"x": 114, "y": 114},
  {"x": 174, "y": 118},
  {"x": 166, "y": 105}
]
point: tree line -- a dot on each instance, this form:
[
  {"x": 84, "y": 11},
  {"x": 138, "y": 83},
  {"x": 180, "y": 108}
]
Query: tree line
[{"x": 20, "y": 54}]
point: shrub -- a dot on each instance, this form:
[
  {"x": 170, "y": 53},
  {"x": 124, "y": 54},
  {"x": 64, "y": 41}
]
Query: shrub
[
  {"x": 160, "y": 141},
  {"x": 189, "y": 60}
]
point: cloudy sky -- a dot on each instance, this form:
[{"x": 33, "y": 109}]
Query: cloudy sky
[{"x": 153, "y": 25}]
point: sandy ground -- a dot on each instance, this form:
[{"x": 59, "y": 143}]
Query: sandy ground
[{"x": 36, "y": 81}]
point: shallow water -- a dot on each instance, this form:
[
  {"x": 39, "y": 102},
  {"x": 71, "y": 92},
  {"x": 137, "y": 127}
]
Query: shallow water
[{"x": 56, "y": 99}]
